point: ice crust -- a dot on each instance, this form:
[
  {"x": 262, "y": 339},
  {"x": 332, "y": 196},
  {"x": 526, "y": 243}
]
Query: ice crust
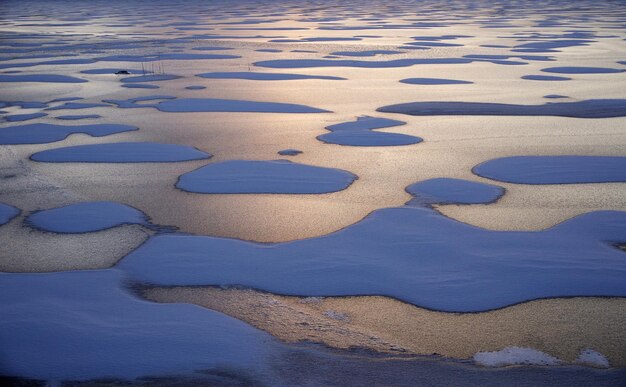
[
  {"x": 265, "y": 76},
  {"x": 454, "y": 191},
  {"x": 184, "y": 105},
  {"x": 410, "y": 253},
  {"x": 7, "y": 213},
  {"x": 121, "y": 152},
  {"x": 593, "y": 108},
  {"x": 86, "y": 325},
  {"x": 360, "y": 133},
  {"x": 277, "y": 177},
  {"x": 45, "y": 133},
  {"x": 554, "y": 169},
  {"x": 85, "y": 217}
]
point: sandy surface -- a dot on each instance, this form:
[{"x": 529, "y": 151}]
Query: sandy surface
[{"x": 559, "y": 327}]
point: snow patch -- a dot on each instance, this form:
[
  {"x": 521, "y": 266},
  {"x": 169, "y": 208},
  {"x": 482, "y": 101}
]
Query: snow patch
[
  {"x": 121, "y": 152},
  {"x": 592, "y": 358},
  {"x": 277, "y": 177},
  {"x": 515, "y": 356},
  {"x": 86, "y": 217}
]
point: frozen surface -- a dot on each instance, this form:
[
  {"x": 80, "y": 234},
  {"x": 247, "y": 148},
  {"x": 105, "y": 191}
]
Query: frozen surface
[
  {"x": 86, "y": 325},
  {"x": 554, "y": 169},
  {"x": 433, "y": 81},
  {"x": 43, "y": 78},
  {"x": 183, "y": 105},
  {"x": 360, "y": 133},
  {"x": 134, "y": 102},
  {"x": 7, "y": 213},
  {"x": 277, "y": 177},
  {"x": 289, "y": 152},
  {"x": 454, "y": 191},
  {"x": 545, "y": 78},
  {"x": 139, "y": 86},
  {"x": 76, "y": 106},
  {"x": 410, "y": 253},
  {"x": 593, "y": 358},
  {"x": 592, "y": 108},
  {"x": 306, "y": 63},
  {"x": 150, "y": 78},
  {"x": 582, "y": 70},
  {"x": 265, "y": 76},
  {"x": 160, "y": 57},
  {"x": 112, "y": 71},
  {"x": 44, "y": 133},
  {"x": 407, "y": 252},
  {"x": 121, "y": 152},
  {"x": 551, "y": 45},
  {"x": 365, "y": 53},
  {"x": 365, "y": 123},
  {"x": 515, "y": 355},
  {"x": 24, "y": 117},
  {"x": 86, "y": 217},
  {"x": 78, "y": 117}
]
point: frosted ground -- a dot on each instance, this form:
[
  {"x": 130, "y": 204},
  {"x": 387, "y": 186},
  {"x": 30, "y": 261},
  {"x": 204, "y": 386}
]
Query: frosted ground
[{"x": 319, "y": 193}]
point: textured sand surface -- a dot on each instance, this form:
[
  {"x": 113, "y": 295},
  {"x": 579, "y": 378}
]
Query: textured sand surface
[{"x": 559, "y": 327}]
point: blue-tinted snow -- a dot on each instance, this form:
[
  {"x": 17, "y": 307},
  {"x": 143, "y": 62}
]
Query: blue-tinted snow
[
  {"x": 43, "y": 78},
  {"x": 7, "y": 213},
  {"x": 139, "y": 86},
  {"x": 545, "y": 78},
  {"x": 365, "y": 123},
  {"x": 76, "y": 106},
  {"x": 66, "y": 99},
  {"x": 113, "y": 71},
  {"x": 542, "y": 58},
  {"x": 410, "y": 253},
  {"x": 272, "y": 177},
  {"x": 44, "y": 133},
  {"x": 264, "y": 76},
  {"x": 582, "y": 70},
  {"x": 366, "y": 53},
  {"x": 330, "y": 39},
  {"x": 289, "y": 152},
  {"x": 134, "y": 102},
  {"x": 592, "y": 108},
  {"x": 433, "y": 44},
  {"x": 554, "y": 169},
  {"x": 306, "y": 63},
  {"x": 453, "y": 191},
  {"x": 551, "y": 45},
  {"x": 211, "y": 48},
  {"x": 121, "y": 152},
  {"x": 150, "y": 78},
  {"x": 86, "y": 325},
  {"x": 86, "y": 217},
  {"x": 160, "y": 57},
  {"x": 78, "y": 117},
  {"x": 24, "y": 117},
  {"x": 228, "y": 105},
  {"x": 433, "y": 81},
  {"x": 360, "y": 133}
]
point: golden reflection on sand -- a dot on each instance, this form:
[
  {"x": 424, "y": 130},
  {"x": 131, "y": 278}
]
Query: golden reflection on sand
[{"x": 559, "y": 327}]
